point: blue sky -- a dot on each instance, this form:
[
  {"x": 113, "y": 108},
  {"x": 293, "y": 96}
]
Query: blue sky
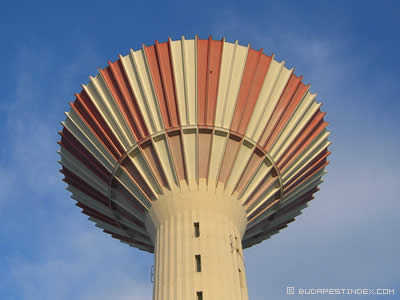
[{"x": 347, "y": 50}]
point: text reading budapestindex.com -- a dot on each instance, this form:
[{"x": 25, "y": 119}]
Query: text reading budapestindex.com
[{"x": 291, "y": 290}]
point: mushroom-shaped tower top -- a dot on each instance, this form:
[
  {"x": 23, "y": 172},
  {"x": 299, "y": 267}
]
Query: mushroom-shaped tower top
[{"x": 190, "y": 124}]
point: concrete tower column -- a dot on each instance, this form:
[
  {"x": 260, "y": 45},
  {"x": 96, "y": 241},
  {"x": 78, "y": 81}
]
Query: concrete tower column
[{"x": 198, "y": 249}]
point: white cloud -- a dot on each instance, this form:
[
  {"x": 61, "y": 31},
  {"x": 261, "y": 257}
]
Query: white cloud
[{"x": 83, "y": 265}]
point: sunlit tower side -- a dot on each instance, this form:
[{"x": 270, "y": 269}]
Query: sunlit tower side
[{"x": 194, "y": 150}]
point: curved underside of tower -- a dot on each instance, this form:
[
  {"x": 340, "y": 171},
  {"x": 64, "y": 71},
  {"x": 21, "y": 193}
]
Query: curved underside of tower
[{"x": 193, "y": 116}]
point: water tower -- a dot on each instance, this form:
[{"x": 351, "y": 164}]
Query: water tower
[{"x": 194, "y": 150}]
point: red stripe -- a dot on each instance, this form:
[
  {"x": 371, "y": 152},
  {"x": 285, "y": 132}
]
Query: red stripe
[
  {"x": 96, "y": 123},
  {"x": 152, "y": 60},
  {"x": 253, "y": 77},
  {"x": 202, "y": 67},
  {"x": 318, "y": 166},
  {"x": 305, "y": 137},
  {"x": 306, "y": 167},
  {"x": 286, "y": 114},
  {"x": 118, "y": 83},
  {"x": 213, "y": 74},
  {"x": 264, "y": 184},
  {"x": 280, "y": 108},
  {"x": 252, "y": 82},
  {"x": 159, "y": 59},
  {"x": 209, "y": 55},
  {"x": 83, "y": 96}
]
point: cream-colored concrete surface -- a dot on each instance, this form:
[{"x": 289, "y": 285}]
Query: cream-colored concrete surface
[{"x": 222, "y": 222}]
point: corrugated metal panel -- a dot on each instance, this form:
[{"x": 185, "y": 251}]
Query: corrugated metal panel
[{"x": 194, "y": 114}]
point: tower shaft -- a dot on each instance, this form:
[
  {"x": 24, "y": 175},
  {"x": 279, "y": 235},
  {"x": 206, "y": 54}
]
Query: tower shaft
[{"x": 198, "y": 249}]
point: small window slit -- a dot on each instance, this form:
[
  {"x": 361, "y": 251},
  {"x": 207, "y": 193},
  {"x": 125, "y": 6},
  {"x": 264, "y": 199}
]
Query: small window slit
[{"x": 198, "y": 262}]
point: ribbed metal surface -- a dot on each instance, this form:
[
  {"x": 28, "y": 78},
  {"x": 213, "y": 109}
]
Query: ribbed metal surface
[{"x": 189, "y": 115}]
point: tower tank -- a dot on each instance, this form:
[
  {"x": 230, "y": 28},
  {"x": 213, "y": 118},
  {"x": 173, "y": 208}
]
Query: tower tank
[{"x": 194, "y": 150}]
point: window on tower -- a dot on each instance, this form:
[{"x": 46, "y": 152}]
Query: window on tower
[
  {"x": 241, "y": 278},
  {"x": 198, "y": 262},
  {"x": 196, "y": 229},
  {"x": 199, "y": 295}
]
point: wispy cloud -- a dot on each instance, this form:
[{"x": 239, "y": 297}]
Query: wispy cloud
[{"x": 82, "y": 265}]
